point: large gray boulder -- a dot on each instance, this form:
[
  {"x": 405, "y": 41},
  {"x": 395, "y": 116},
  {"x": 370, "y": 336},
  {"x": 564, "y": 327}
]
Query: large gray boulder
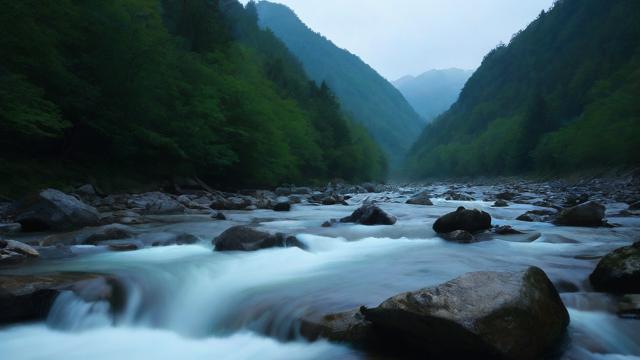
[
  {"x": 370, "y": 215},
  {"x": 619, "y": 271},
  {"x": 589, "y": 214},
  {"x": 503, "y": 315},
  {"x": 463, "y": 219},
  {"x": 244, "y": 238},
  {"x": 53, "y": 210}
]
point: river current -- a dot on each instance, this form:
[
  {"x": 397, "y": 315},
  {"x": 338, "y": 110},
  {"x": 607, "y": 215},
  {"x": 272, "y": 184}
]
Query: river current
[{"x": 189, "y": 302}]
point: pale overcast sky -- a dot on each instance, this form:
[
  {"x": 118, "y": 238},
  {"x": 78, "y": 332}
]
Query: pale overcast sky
[{"x": 400, "y": 37}]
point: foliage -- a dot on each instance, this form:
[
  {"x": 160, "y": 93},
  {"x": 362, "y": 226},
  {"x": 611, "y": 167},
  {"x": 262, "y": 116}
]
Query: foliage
[
  {"x": 561, "y": 97},
  {"x": 167, "y": 88}
]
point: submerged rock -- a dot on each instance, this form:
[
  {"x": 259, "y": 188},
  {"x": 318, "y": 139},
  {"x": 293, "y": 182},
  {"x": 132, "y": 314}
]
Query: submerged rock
[
  {"x": 370, "y": 215},
  {"x": 618, "y": 271},
  {"x": 349, "y": 327},
  {"x": 463, "y": 219},
  {"x": 506, "y": 230},
  {"x": 244, "y": 238},
  {"x": 54, "y": 210},
  {"x": 218, "y": 216},
  {"x": 512, "y": 315},
  {"x": 590, "y": 214},
  {"x": 424, "y": 198},
  {"x": 460, "y": 236},
  {"x": 500, "y": 203}
]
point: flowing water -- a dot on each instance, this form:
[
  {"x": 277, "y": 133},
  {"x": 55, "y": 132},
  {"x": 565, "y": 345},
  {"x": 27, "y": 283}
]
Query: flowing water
[{"x": 190, "y": 302}]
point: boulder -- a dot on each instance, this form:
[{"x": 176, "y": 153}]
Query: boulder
[
  {"x": 370, "y": 215},
  {"x": 460, "y": 236},
  {"x": 29, "y": 297},
  {"x": 463, "y": 219},
  {"x": 109, "y": 232},
  {"x": 53, "y": 210},
  {"x": 618, "y": 271},
  {"x": 537, "y": 216},
  {"x": 500, "y": 203},
  {"x": 454, "y": 196},
  {"x": 589, "y": 214},
  {"x": 506, "y": 196},
  {"x": 347, "y": 327},
  {"x": 575, "y": 199},
  {"x": 424, "y": 198},
  {"x": 487, "y": 315},
  {"x": 282, "y": 204},
  {"x": 244, "y": 238},
  {"x": 13, "y": 252}
]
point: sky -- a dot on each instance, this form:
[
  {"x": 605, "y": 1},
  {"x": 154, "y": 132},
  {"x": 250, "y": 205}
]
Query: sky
[{"x": 409, "y": 37}]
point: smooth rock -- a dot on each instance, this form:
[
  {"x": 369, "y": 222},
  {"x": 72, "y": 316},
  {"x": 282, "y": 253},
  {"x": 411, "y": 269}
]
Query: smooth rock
[
  {"x": 370, "y": 215},
  {"x": 488, "y": 315},
  {"x": 424, "y": 198},
  {"x": 618, "y": 271},
  {"x": 463, "y": 219},
  {"x": 244, "y": 238},
  {"x": 54, "y": 210},
  {"x": 589, "y": 214}
]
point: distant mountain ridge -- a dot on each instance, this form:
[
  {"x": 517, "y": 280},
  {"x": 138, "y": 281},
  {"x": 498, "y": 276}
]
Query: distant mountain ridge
[
  {"x": 434, "y": 91},
  {"x": 561, "y": 97},
  {"x": 369, "y": 98}
]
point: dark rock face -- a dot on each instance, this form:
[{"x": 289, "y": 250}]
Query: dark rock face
[
  {"x": 590, "y": 214},
  {"x": 537, "y": 216},
  {"x": 463, "y": 219},
  {"x": 479, "y": 315},
  {"x": 421, "y": 199},
  {"x": 619, "y": 271},
  {"x": 53, "y": 210},
  {"x": 460, "y": 236},
  {"x": 370, "y": 215},
  {"x": 283, "y": 204},
  {"x": 244, "y": 238},
  {"x": 24, "y": 298},
  {"x": 350, "y": 327}
]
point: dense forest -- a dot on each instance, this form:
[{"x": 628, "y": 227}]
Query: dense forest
[
  {"x": 364, "y": 94},
  {"x": 562, "y": 96},
  {"x": 433, "y": 92},
  {"x": 129, "y": 91}
]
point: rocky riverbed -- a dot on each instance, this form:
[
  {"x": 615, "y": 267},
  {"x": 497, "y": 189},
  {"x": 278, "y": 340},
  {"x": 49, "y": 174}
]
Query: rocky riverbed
[{"x": 507, "y": 269}]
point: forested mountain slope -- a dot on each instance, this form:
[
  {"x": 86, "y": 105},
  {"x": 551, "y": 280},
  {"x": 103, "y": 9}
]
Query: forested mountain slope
[
  {"x": 434, "y": 91},
  {"x": 562, "y": 96},
  {"x": 140, "y": 90},
  {"x": 367, "y": 96}
]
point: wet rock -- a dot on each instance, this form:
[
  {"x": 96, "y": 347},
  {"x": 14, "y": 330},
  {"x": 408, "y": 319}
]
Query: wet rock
[
  {"x": 166, "y": 239},
  {"x": 506, "y": 196},
  {"x": 463, "y": 219},
  {"x": 156, "y": 203},
  {"x": 500, "y": 203},
  {"x": 10, "y": 228},
  {"x": 282, "y": 205},
  {"x": 629, "y": 307},
  {"x": 460, "y": 236},
  {"x": 109, "y": 232},
  {"x": 635, "y": 206},
  {"x": 53, "y": 210},
  {"x": 506, "y": 230},
  {"x": 244, "y": 238},
  {"x": 13, "y": 252},
  {"x": 123, "y": 246},
  {"x": 537, "y": 216},
  {"x": 574, "y": 200},
  {"x": 421, "y": 199},
  {"x": 454, "y": 196},
  {"x": 29, "y": 297},
  {"x": 373, "y": 188},
  {"x": 618, "y": 271},
  {"x": 565, "y": 286},
  {"x": 329, "y": 223},
  {"x": 590, "y": 214},
  {"x": 370, "y": 215},
  {"x": 347, "y": 327},
  {"x": 218, "y": 216},
  {"x": 510, "y": 315}
]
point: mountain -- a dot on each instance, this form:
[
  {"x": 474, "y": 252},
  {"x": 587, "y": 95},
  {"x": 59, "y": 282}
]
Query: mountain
[
  {"x": 140, "y": 91},
  {"x": 433, "y": 92},
  {"x": 562, "y": 96},
  {"x": 368, "y": 97}
]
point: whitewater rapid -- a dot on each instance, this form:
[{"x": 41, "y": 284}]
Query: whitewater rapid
[{"x": 190, "y": 302}]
